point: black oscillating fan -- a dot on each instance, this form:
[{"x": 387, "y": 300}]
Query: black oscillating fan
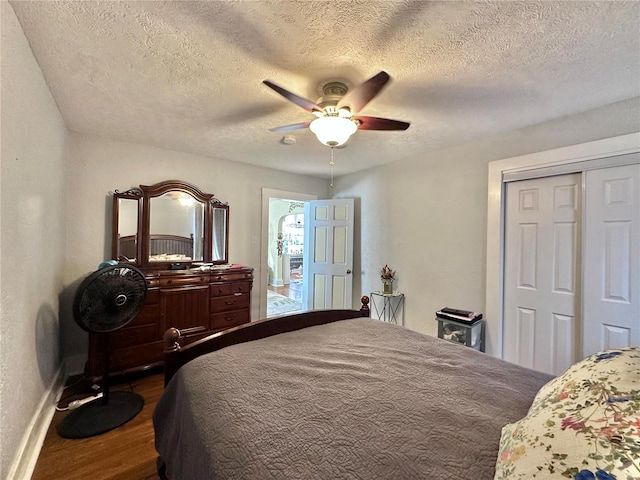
[{"x": 106, "y": 301}]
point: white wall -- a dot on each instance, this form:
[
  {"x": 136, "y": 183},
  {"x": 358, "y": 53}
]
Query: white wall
[
  {"x": 426, "y": 216},
  {"x": 32, "y": 241},
  {"x": 98, "y": 166}
]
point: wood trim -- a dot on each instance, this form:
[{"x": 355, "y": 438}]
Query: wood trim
[
  {"x": 159, "y": 188},
  {"x": 176, "y": 356}
]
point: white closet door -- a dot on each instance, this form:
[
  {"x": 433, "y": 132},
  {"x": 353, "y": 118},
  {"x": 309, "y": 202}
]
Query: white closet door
[
  {"x": 612, "y": 259},
  {"x": 541, "y": 281}
]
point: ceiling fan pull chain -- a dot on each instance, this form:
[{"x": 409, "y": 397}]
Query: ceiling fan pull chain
[{"x": 332, "y": 164}]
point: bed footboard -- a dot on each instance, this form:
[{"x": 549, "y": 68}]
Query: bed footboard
[{"x": 176, "y": 355}]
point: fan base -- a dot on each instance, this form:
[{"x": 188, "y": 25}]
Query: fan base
[{"x": 95, "y": 418}]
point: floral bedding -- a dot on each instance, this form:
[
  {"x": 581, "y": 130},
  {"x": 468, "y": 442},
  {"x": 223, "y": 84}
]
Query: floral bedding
[{"x": 584, "y": 424}]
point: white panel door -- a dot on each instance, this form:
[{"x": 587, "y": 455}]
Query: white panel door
[
  {"x": 541, "y": 278},
  {"x": 612, "y": 259},
  {"x": 328, "y": 254}
]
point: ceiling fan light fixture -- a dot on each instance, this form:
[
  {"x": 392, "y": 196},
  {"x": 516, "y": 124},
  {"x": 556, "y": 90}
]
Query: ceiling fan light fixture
[{"x": 333, "y": 131}]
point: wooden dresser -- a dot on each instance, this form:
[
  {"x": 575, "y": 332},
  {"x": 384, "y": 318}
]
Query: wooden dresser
[{"x": 196, "y": 302}]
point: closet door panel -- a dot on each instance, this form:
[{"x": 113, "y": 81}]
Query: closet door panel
[
  {"x": 612, "y": 259},
  {"x": 542, "y": 250}
]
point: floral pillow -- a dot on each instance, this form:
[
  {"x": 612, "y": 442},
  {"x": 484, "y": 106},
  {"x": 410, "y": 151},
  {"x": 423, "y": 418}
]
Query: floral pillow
[{"x": 583, "y": 424}]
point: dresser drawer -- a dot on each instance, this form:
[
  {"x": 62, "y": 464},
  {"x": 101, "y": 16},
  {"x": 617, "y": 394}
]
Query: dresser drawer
[
  {"x": 184, "y": 341},
  {"x": 134, "y": 357},
  {"x": 148, "y": 315},
  {"x": 230, "y": 302},
  {"x": 177, "y": 281},
  {"x": 223, "y": 289},
  {"x": 129, "y": 336},
  {"x": 241, "y": 287},
  {"x": 230, "y": 319},
  {"x": 231, "y": 277},
  {"x": 220, "y": 289},
  {"x": 153, "y": 296}
]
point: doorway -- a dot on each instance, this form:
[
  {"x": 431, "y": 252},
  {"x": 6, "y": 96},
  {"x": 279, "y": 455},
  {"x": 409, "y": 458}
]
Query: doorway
[
  {"x": 286, "y": 257},
  {"x": 282, "y": 297}
]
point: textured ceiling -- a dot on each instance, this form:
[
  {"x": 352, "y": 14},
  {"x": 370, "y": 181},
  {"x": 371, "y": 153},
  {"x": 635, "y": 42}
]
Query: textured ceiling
[{"x": 187, "y": 75}]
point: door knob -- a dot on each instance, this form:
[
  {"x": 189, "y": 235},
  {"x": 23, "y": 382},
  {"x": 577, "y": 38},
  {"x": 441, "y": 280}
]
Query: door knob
[{"x": 348, "y": 272}]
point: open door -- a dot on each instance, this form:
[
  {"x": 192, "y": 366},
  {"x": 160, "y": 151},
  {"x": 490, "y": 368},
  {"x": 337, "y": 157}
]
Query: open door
[
  {"x": 259, "y": 308},
  {"x": 328, "y": 253}
]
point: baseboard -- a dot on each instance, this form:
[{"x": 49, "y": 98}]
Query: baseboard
[{"x": 27, "y": 454}]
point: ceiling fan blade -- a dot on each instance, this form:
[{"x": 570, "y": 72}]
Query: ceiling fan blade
[
  {"x": 288, "y": 128},
  {"x": 308, "y": 105},
  {"x": 361, "y": 95},
  {"x": 375, "y": 123}
]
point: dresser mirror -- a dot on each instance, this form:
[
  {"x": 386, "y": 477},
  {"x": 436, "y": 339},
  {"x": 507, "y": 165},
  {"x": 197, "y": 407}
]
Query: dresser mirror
[
  {"x": 176, "y": 228},
  {"x": 219, "y": 238},
  {"x": 169, "y": 225},
  {"x": 127, "y": 212}
]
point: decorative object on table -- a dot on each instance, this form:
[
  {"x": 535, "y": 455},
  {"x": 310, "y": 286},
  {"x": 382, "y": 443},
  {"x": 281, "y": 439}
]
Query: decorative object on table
[
  {"x": 387, "y": 275},
  {"x": 280, "y": 244}
]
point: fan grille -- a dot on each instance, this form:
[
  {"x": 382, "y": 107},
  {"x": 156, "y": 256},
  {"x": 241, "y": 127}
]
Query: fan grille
[{"x": 109, "y": 298}]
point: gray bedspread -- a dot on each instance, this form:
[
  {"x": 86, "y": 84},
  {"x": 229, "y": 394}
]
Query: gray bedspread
[{"x": 355, "y": 399}]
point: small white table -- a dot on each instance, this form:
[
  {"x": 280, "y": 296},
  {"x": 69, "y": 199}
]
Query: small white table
[{"x": 388, "y": 307}]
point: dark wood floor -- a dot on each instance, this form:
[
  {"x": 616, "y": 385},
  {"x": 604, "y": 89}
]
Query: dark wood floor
[{"x": 126, "y": 453}]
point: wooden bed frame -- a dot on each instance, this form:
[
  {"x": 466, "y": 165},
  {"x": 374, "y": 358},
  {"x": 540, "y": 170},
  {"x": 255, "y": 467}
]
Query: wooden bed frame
[
  {"x": 176, "y": 355},
  {"x": 158, "y": 245},
  {"x": 128, "y": 247},
  {"x": 171, "y": 245}
]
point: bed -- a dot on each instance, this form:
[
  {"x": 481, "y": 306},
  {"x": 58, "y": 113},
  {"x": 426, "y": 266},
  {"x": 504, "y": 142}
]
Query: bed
[
  {"x": 337, "y": 395},
  {"x": 162, "y": 247},
  {"x": 128, "y": 246},
  {"x": 170, "y": 247}
]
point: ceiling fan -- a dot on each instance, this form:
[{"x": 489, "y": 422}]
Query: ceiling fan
[{"x": 336, "y": 111}]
